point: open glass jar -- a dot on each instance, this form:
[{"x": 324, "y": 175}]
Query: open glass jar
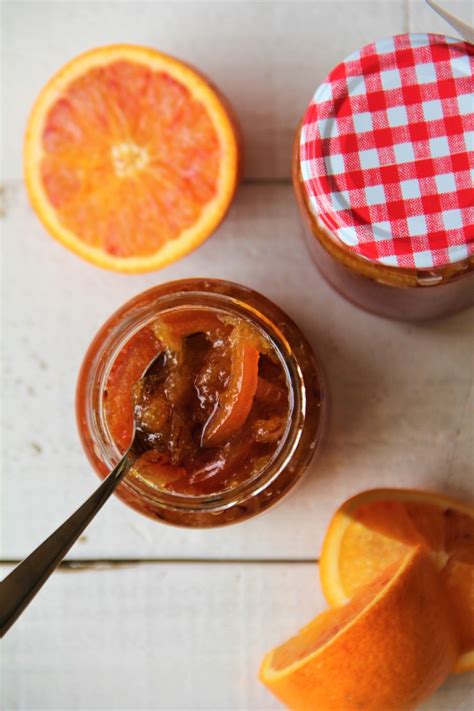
[
  {"x": 292, "y": 359},
  {"x": 381, "y": 172}
]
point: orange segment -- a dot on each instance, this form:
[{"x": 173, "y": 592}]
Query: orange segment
[
  {"x": 376, "y": 528},
  {"x": 236, "y": 401},
  {"x": 128, "y": 367},
  {"x": 131, "y": 157},
  {"x": 386, "y": 650}
]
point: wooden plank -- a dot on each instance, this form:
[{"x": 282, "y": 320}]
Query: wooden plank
[
  {"x": 164, "y": 637},
  {"x": 267, "y": 57},
  {"x": 401, "y": 394}
]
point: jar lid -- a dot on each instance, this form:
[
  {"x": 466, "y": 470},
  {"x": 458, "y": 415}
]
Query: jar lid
[{"x": 384, "y": 151}]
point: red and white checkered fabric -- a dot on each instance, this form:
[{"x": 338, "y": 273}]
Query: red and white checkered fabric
[{"x": 386, "y": 151}]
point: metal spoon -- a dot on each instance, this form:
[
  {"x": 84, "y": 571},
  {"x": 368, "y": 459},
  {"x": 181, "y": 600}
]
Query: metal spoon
[
  {"x": 22, "y": 584},
  {"x": 466, "y": 31}
]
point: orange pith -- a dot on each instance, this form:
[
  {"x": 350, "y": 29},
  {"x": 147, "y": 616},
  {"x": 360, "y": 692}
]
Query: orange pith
[
  {"x": 388, "y": 649},
  {"x": 131, "y": 157},
  {"x": 376, "y": 528}
]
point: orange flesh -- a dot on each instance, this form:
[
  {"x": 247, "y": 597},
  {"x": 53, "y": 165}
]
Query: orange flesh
[
  {"x": 130, "y": 158},
  {"x": 448, "y": 535},
  {"x": 202, "y": 426}
]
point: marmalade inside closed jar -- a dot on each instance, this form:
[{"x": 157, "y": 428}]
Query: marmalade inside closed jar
[{"x": 213, "y": 410}]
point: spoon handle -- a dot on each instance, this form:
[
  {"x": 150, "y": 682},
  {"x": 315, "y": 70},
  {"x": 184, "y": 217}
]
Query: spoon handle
[
  {"x": 22, "y": 584},
  {"x": 466, "y": 31}
]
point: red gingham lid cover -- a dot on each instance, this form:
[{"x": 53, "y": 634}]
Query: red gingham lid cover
[{"x": 385, "y": 151}]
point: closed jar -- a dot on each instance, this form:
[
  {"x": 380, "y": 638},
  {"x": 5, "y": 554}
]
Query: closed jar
[{"x": 381, "y": 172}]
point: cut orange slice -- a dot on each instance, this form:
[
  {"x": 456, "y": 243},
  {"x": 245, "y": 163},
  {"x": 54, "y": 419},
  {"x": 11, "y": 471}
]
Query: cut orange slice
[
  {"x": 131, "y": 158},
  {"x": 376, "y": 528},
  {"x": 386, "y": 650}
]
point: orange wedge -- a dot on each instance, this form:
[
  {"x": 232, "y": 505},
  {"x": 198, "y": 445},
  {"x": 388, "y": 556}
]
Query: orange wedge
[
  {"x": 386, "y": 650},
  {"x": 376, "y": 528},
  {"x": 131, "y": 158}
]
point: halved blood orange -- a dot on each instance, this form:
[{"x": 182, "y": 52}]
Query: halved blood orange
[
  {"x": 131, "y": 157},
  {"x": 387, "y": 649},
  {"x": 376, "y": 528}
]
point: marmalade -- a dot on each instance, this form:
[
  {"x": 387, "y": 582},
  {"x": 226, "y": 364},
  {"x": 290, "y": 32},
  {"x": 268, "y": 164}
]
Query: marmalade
[
  {"x": 229, "y": 415},
  {"x": 213, "y": 410}
]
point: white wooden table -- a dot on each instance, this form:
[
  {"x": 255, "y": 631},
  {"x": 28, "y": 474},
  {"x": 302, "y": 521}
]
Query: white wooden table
[{"x": 151, "y": 617}]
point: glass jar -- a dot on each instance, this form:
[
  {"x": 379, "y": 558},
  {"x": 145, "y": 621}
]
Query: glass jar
[
  {"x": 381, "y": 172},
  {"x": 304, "y": 380}
]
